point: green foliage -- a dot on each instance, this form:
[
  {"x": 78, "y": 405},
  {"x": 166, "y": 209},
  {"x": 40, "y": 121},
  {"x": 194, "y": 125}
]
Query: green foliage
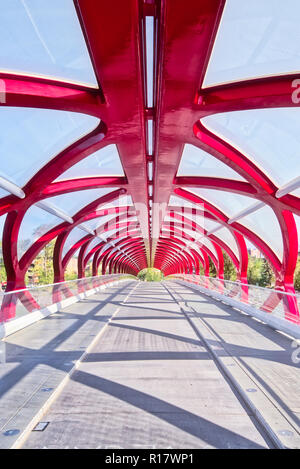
[
  {"x": 150, "y": 275},
  {"x": 267, "y": 276},
  {"x": 201, "y": 269}
]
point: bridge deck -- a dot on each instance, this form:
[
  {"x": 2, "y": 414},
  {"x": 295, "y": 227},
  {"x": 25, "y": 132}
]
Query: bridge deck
[{"x": 153, "y": 376}]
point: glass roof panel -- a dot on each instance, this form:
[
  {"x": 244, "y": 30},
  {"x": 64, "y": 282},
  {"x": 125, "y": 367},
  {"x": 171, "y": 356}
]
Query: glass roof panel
[
  {"x": 225, "y": 235},
  {"x": 264, "y": 223},
  {"x": 227, "y": 202},
  {"x": 72, "y": 202},
  {"x": 296, "y": 192},
  {"x": 3, "y": 193},
  {"x": 44, "y": 38},
  {"x": 24, "y": 138},
  {"x": 104, "y": 219},
  {"x": 35, "y": 224},
  {"x": 198, "y": 219},
  {"x": 104, "y": 162},
  {"x": 268, "y": 137},
  {"x": 179, "y": 202},
  {"x": 255, "y": 39},
  {"x": 197, "y": 162}
]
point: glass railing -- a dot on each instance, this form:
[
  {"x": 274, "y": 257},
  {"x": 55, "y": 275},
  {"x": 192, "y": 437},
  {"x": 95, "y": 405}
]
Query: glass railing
[
  {"x": 277, "y": 303},
  {"x": 18, "y": 303}
]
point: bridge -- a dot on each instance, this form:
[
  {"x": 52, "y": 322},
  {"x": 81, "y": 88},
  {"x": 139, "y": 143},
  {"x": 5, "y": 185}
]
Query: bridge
[{"x": 149, "y": 134}]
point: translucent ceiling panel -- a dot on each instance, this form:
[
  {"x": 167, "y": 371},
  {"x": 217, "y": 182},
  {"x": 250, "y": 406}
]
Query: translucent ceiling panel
[
  {"x": 104, "y": 162},
  {"x": 256, "y": 38},
  {"x": 297, "y": 220},
  {"x": 227, "y": 202},
  {"x": 202, "y": 222},
  {"x": 109, "y": 234},
  {"x": 268, "y": 137},
  {"x": 264, "y": 223},
  {"x": 44, "y": 38},
  {"x": 35, "y": 224},
  {"x": 75, "y": 235},
  {"x": 110, "y": 219},
  {"x": 72, "y": 202},
  {"x": 225, "y": 235},
  {"x": 29, "y": 138},
  {"x": 196, "y": 162}
]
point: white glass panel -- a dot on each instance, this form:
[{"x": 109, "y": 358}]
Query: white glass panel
[
  {"x": 296, "y": 192},
  {"x": 209, "y": 245},
  {"x": 180, "y": 202},
  {"x": 268, "y": 137},
  {"x": 227, "y": 202},
  {"x": 297, "y": 220},
  {"x": 3, "y": 193},
  {"x": 96, "y": 223},
  {"x": 265, "y": 224},
  {"x": 105, "y": 219},
  {"x": 252, "y": 250},
  {"x": 122, "y": 201},
  {"x": 95, "y": 241},
  {"x": 149, "y": 58},
  {"x": 72, "y": 202},
  {"x": 201, "y": 221},
  {"x": 104, "y": 162},
  {"x": 225, "y": 235},
  {"x": 256, "y": 38},
  {"x": 2, "y": 221},
  {"x": 44, "y": 38},
  {"x": 196, "y": 162},
  {"x": 109, "y": 234},
  {"x": 35, "y": 224},
  {"x": 29, "y": 138}
]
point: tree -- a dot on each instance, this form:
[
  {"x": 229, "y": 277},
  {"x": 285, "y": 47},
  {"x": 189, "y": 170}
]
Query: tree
[
  {"x": 150, "y": 275},
  {"x": 266, "y": 277}
]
